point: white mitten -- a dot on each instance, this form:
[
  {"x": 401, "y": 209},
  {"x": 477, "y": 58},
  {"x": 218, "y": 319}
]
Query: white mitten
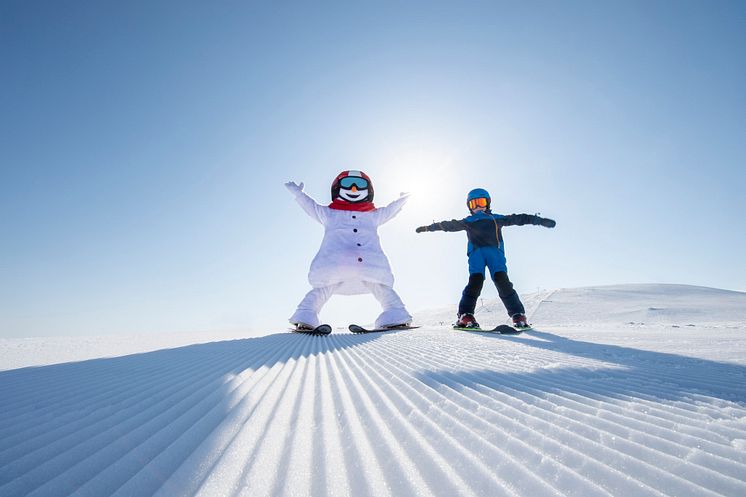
[{"x": 294, "y": 188}]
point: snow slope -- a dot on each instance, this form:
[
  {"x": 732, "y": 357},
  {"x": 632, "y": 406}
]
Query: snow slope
[{"x": 624, "y": 391}]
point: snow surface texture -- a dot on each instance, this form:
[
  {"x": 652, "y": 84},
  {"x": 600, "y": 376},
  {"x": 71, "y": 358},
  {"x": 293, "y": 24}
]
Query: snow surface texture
[{"x": 624, "y": 391}]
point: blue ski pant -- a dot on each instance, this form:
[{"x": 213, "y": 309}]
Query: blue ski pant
[{"x": 493, "y": 259}]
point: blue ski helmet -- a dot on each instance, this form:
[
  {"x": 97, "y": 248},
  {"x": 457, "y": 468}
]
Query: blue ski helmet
[{"x": 478, "y": 193}]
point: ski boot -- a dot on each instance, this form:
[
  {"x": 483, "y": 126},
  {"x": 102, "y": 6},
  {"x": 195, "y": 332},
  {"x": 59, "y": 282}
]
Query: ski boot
[
  {"x": 466, "y": 321},
  {"x": 520, "y": 322}
]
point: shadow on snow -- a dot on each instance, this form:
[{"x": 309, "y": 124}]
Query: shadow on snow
[
  {"x": 620, "y": 372},
  {"x": 97, "y": 423}
]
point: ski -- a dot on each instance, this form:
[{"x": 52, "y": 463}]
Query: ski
[
  {"x": 359, "y": 329},
  {"x": 320, "y": 330},
  {"x": 502, "y": 329}
]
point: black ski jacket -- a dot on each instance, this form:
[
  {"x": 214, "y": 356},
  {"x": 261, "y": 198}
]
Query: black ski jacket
[{"x": 484, "y": 229}]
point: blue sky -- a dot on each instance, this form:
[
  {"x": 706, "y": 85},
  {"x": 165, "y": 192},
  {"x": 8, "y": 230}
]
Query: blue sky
[{"x": 144, "y": 147}]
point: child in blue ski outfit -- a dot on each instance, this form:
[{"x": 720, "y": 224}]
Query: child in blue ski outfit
[{"x": 486, "y": 249}]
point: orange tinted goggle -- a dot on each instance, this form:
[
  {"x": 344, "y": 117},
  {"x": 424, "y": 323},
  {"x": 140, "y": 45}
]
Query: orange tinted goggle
[{"x": 477, "y": 202}]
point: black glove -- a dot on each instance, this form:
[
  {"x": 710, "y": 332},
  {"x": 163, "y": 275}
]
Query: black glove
[
  {"x": 548, "y": 223},
  {"x": 421, "y": 229}
]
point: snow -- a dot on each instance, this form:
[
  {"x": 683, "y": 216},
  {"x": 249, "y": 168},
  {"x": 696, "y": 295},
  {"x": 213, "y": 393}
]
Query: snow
[
  {"x": 628, "y": 390},
  {"x": 41, "y": 351}
]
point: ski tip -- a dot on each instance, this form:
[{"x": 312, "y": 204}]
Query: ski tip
[
  {"x": 505, "y": 329},
  {"x": 323, "y": 329}
]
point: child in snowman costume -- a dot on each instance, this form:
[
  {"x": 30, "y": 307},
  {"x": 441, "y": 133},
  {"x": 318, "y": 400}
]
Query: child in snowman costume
[{"x": 350, "y": 260}]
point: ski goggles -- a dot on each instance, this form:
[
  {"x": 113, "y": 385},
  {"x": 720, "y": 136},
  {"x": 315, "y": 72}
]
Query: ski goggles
[
  {"x": 349, "y": 181},
  {"x": 478, "y": 202}
]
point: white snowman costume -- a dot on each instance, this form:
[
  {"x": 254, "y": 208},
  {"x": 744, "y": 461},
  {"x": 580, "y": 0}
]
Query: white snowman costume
[{"x": 350, "y": 260}]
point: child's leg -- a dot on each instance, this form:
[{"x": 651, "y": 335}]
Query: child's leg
[
  {"x": 394, "y": 311},
  {"x": 471, "y": 293},
  {"x": 507, "y": 294},
  {"x": 473, "y": 289},
  {"x": 308, "y": 310}
]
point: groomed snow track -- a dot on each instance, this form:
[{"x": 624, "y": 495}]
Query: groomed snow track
[{"x": 419, "y": 412}]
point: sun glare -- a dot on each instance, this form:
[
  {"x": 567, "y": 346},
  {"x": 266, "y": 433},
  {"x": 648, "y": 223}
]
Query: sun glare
[{"x": 427, "y": 175}]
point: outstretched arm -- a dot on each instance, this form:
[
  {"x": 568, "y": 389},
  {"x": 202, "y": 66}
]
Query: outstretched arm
[
  {"x": 452, "y": 225},
  {"x": 308, "y": 204},
  {"x": 522, "y": 219},
  {"x": 386, "y": 213}
]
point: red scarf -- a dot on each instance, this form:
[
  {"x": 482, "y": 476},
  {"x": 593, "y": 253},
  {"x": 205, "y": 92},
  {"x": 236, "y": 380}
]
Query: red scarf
[{"x": 343, "y": 205}]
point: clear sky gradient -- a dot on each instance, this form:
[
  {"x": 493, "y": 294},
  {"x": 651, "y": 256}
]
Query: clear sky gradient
[{"x": 144, "y": 146}]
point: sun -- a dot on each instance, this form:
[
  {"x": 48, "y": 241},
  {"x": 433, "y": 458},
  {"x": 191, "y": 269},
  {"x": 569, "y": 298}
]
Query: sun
[{"x": 426, "y": 174}]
